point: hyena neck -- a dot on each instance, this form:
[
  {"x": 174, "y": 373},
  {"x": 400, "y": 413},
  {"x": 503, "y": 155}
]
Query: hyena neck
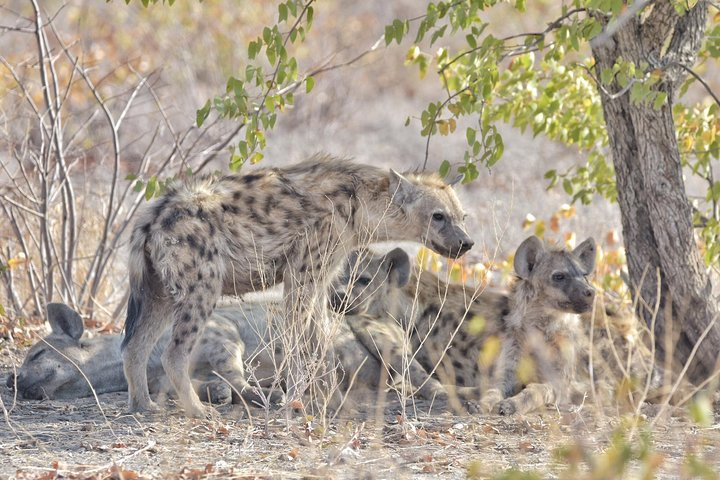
[{"x": 377, "y": 218}]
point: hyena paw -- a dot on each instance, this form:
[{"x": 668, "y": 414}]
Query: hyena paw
[
  {"x": 217, "y": 393},
  {"x": 505, "y": 407},
  {"x": 474, "y": 407},
  {"x": 143, "y": 406}
]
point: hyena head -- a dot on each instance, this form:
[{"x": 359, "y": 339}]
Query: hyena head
[
  {"x": 368, "y": 281},
  {"x": 433, "y": 213},
  {"x": 46, "y": 371},
  {"x": 557, "y": 277}
]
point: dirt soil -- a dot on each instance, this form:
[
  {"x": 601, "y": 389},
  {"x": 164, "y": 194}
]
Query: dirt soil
[{"x": 97, "y": 439}]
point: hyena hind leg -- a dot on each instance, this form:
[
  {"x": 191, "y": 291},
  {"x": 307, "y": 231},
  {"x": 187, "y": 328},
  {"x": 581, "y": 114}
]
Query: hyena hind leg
[
  {"x": 189, "y": 321},
  {"x": 152, "y": 319}
]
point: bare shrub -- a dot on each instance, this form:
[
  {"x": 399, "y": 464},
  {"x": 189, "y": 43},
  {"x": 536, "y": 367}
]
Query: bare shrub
[{"x": 79, "y": 163}]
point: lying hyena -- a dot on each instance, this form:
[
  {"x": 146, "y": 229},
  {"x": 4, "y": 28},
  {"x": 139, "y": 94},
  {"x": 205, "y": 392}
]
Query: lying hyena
[
  {"x": 238, "y": 342},
  {"x": 378, "y": 334},
  {"x": 446, "y": 325},
  {"x": 239, "y": 233},
  {"x": 538, "y": 362},
  {"x": 64, "y": 365},
  {"x": 454, "y": 329}
]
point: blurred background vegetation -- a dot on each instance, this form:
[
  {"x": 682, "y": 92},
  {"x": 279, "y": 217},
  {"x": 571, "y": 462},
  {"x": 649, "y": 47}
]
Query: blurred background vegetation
[{"x": 132, "y": 82}]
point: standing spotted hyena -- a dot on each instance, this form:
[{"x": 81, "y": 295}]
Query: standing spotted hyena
[{"x": 239, "y": 233}]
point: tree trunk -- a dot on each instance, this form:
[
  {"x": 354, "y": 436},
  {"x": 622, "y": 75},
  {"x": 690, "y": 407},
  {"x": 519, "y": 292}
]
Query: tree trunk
[{"x": 664, "y": 264}]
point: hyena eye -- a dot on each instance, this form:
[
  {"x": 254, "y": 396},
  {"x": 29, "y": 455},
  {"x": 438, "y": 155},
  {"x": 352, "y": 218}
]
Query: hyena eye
[
  {"x": 362, "y": 281},
  {"x": 438, "y": 216},
  {"x": 558, "y": 277}
]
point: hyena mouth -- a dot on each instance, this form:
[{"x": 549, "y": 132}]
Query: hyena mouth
[
  {"x": 338, "y": 304},
  {"x": 575, "y": 307},
  {"x": 450, "y": 252}
]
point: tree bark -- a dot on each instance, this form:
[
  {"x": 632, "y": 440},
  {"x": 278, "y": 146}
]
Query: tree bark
[{"x": 665, "y": 267}]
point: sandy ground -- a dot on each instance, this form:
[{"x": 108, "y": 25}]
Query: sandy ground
[{"x": 87, "y": 439}]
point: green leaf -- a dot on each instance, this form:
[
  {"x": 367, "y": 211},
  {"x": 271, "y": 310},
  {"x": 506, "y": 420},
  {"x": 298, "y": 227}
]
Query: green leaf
[
  {"x": 660, "y": 100},
  {"x": 437, "y": 34},
  {"x": 444, "y": 168},
  {"x": 202, "y": 114},
  {"x": 470, "y": 135},
  {"x": 310, "y": 14},
  {"x": 567, "y": 186},
  {"x": 253, "y": 49},
  {"x": 151, "y": 187},
  {"x": 282, "y": 12},
  {"x": 471, "y": 41},
  {"x": 309, "y": 84},
  {"x": 389, "y": 34},
  {"x": 267, "y": 35}
]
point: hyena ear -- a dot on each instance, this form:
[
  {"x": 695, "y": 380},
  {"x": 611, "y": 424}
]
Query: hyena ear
[
  {"x": 527, "y": 256},
  {"x": 401, "y": 189},
  {"x": 456, "y": 180},
  {"x": 64, "y": 320},
  {"x": 397, "y": 263},
  {"x": 586, "y": 253}
]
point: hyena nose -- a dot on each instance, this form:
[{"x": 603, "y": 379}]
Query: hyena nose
[
  {"x": 337, "y": 302},
  {"x": 589, "y": 292},
  {"x": 466, "y": 244}
]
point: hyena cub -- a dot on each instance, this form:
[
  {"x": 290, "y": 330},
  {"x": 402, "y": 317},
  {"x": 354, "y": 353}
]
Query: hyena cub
[
  {"x": 384, "y": 338},
  {"x": 538, "y": 361},
  {"x": 243, "y": 232},
  {"x": 445, "y": 325}
]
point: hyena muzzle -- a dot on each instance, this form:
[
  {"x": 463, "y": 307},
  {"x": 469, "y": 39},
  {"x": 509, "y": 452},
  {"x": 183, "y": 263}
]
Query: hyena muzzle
[{"x": 244, "y": 232}]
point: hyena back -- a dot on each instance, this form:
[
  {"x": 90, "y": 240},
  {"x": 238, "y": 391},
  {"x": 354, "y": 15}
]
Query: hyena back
[{"x": 244, "y": 232}]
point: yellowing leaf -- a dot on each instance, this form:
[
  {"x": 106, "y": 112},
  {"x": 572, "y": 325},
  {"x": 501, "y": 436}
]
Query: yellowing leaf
[
  {"x": 17, "y": 261},
  {"x": 570, "y": 239},
  {"x": 526, "y": 369},
  {"x": 489, "y": 351},
  {"x": 612, "y": 237},
  {"x": 477, "y": 325},
  {"x": 555, "y": 223},
  {"x": 567, "y": 211}
]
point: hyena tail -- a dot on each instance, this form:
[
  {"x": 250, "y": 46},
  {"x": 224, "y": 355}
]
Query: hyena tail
[{"x": 139, "y": 271}]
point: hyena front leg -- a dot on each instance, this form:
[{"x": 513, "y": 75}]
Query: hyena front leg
[
  {"x": 301, "y": 335},
  {"x": 225, "y": 356}
]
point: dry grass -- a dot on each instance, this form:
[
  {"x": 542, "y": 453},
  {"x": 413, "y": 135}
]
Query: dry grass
[{"x": 72, "y": 439}]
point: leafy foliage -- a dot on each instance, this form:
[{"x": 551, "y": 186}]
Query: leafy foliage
[
  {"x": 543, "y": 81},
  {"x": 268, "y": 84}
]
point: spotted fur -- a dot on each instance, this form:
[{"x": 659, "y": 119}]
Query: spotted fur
[{"x": 244, "y": 232}]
